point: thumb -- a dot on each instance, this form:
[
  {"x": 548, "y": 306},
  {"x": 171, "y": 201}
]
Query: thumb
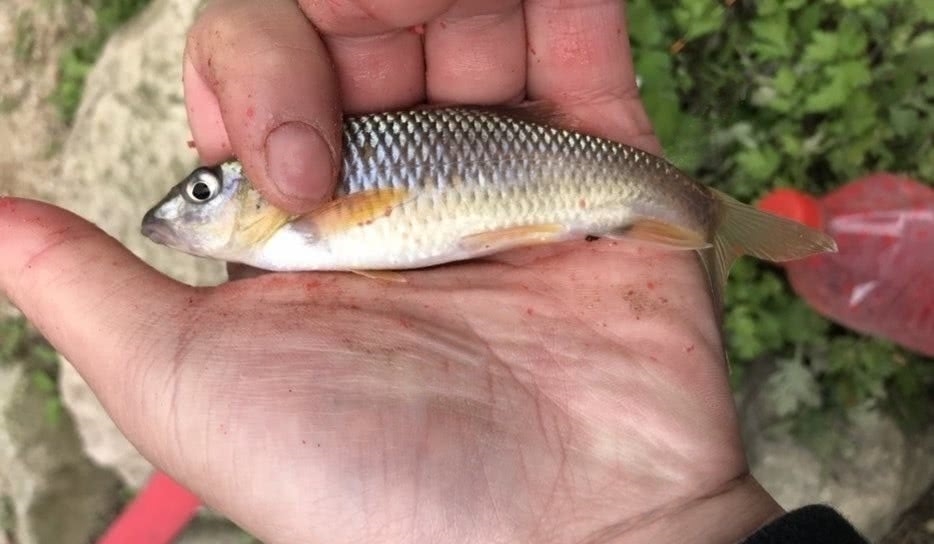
[
  {"x": 259, "y": 84},
  {"x": 109, "y": 313}
]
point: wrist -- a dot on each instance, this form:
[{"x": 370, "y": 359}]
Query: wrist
[{"x": 730, "y": 514}]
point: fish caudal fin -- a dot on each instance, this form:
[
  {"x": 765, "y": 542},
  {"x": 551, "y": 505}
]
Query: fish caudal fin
[{"x": 745, "y": 230}]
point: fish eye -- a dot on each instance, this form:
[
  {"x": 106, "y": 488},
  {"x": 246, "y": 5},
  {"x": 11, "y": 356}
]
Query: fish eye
[{"x": 202, "y": 186}]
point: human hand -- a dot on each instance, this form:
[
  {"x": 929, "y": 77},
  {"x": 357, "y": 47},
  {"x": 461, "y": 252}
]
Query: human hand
[{"x": 567, "y": 393}]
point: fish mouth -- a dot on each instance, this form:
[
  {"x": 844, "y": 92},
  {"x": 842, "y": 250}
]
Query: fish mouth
[{"x": 158, "y": 230}]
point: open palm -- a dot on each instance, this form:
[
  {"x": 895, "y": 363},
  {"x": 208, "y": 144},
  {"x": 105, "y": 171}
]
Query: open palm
[
  {"x": 561, "y": 395},
  {"x": 568, "y": 393},
  {"x": 574, "y": 393}
]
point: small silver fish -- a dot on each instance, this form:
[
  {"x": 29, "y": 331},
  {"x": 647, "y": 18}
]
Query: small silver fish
[{"x": 440, "y": 184}]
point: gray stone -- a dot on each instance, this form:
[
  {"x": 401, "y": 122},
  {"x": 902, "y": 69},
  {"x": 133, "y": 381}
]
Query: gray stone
[
  {"x": 205, "y": 530},
  {"x": 54, "y": 493},
  {"x": 30, "y": 128},
  {"x": 127, "y": 147},
  {"x": 875, "y": 470}
]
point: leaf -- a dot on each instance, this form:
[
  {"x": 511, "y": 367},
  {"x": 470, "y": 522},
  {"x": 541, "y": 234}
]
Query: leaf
[
  {"x": 852, "y": 39},
  {"x": 842, "y": 80},
  {"x": 758, "y": 164},
  {"x": 697, "y": 18},
  {"x": 925, "y": 9},
  {"x": 12, "y": 333},
  {"x": 772, "y": 37},
  {"x": 824, "y": 47},
  {"x": 647, "y": 27},
  {"x": 43, "y": 382},
  {"x": 655, "y": 68},
  {"x": 792, "y": 388},
  {"x": 904, "y": 121}
]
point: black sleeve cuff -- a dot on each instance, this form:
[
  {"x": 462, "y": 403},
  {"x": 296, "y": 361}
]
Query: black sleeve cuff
[{"x": 813, "y": 523}]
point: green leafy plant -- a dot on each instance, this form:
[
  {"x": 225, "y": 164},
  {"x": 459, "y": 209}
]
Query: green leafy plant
[
  {"x": 24, "y": 37},
  {"x": 20, "y": 343},
  {"x": 77, "y": 59},
  {"x": 753, "y": 95}
]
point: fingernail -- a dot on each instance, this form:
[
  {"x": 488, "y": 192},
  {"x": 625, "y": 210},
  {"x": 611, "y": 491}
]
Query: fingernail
[{"x": 298, "y": 161}]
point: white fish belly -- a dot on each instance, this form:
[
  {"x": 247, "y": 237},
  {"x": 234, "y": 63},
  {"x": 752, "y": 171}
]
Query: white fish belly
[{"x": 431, "y": 229}]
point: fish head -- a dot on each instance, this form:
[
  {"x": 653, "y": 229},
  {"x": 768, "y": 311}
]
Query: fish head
[{"x": 199, "y": 215}]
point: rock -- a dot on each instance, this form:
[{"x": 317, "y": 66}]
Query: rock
[
  {"x": 214, "y": 531},
  {"x": 127, "y": 147},
  {"x": 916, "y": 526},
  {"x": 102, "y": 441},
  {"x": 54, "y": 493},
  {"x": 30, "y": 128},
  {"x": 871, "y": 471}
]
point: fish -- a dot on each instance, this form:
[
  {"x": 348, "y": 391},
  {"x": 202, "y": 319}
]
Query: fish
[{"x": 433, "y": 185}]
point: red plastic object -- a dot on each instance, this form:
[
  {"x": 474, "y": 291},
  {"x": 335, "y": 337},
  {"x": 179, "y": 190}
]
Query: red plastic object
[
  {"x": 156, "y": 516},
  {"x": 881, "y": 282}
]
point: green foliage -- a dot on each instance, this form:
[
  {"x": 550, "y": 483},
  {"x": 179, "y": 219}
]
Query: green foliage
[
  {"x": 76, "y": 61},
  {"x": 24, "y": 36},
  {"x": 7, "y": 517},
  {"x": 753, "y": 95},
  {"x": 20, "y": 343}
]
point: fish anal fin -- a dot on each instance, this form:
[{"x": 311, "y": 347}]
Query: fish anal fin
[
  {"x": 381, "y": 275},
  {"x": 658, "y": 232},
  {"x": 527, "y": 235},
  {"x": 354, "y": 210}
]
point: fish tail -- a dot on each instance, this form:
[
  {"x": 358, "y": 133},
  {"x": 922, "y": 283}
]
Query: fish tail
[{"x": 745, "y": 230}]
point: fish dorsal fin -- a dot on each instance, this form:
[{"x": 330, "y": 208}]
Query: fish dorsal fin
[
  {"x": 354, "y": 210},
  {"x": 539, "y": 112}
]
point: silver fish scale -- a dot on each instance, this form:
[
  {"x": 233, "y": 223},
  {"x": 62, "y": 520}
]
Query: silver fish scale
[{"x": 427, "y": 149}]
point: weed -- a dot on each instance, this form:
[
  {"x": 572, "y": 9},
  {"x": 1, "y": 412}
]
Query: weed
[
  {"x": 77, "y": 59},
  {"x": 20, "y": 343},
  {"x": 24, "y": 36},
  {"x": 807, "y": 95}
]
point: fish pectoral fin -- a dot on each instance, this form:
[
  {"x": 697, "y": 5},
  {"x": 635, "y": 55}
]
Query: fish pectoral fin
[
  {"x": 502, "y": 239},
  {"x": 658, "y": 232},
  {"x": 350, "y": 211},
  {"x": 382, "y": 275}
]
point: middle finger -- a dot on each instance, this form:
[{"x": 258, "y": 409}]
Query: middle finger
[
  {"x": 378, "y": 57},
  {"x": 475, "y": 53}
]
